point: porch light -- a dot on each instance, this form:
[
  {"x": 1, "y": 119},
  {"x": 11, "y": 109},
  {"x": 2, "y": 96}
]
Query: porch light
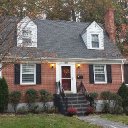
[
  {"x": 52, "y": 65},
  {"x": 78, "y": 65}
]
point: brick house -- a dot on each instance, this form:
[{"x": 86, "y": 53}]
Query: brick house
[{"x": 65, "y": 51}]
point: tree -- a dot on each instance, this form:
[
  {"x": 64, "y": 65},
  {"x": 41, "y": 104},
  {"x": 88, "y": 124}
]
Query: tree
[{"x": 3, "y": 95}]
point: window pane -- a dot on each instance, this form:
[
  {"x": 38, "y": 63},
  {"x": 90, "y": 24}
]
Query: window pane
[
  {"x": 95, "y": 41},
  {"x": 26, "y": 33},
  {"x": 28, "y": 71},
  {"x": 66, "y": 72},
  {"x": 99, "y": 77},
  {"x": 28, "y": 68},
  {"x": 27, "y": 78},
  {"x": 99, "y": 69}
]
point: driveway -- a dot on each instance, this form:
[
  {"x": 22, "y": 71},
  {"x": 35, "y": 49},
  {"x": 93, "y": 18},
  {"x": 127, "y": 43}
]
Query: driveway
[{"x": 102, "y": 122}]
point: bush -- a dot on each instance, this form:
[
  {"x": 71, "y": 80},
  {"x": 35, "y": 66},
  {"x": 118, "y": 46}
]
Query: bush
[
  {"x": 31, "y": 96},
  {"x": 94, "y": 95},
  {"x": 116, "y": 103},
  {"x": 123, "y": 91},
  {"x": 45, "y": 96},
  {"x": 71, "y": 111},
  {"x": 90, "y": 110},
  {"x": 14, "y": 98},
  {"x": 112, "y": 103},
  {"x": 3, "y": 95},
  {"x": 105, "y": 95}
]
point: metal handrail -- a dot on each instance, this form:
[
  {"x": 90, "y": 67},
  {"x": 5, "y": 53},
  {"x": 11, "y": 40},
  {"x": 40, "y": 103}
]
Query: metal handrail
[{"x": 62, "y": 94}]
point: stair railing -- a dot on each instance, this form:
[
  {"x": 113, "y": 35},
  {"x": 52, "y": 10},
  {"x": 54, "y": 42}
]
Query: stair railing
[
  {"x": 81, "y": 89},
  {"x": 62, "y": 94}
]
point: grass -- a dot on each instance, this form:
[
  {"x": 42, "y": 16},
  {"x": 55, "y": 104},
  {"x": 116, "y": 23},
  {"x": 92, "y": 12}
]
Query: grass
[
  {"x": 118, "y": 118},
  {"x": 42, "y": 121}
]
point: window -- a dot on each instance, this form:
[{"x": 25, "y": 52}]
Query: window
[
  {"x": 100, "y": 73},
  {"x": 28, "y": 74},
  {"x": 26, "y": 36},
  {"x": 95, "y": 41}
]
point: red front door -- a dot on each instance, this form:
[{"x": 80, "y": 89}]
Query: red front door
[{"x": 66, "y": 77}]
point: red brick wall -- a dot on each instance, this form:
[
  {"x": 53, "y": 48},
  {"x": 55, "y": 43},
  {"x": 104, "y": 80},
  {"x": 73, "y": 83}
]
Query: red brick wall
[
  {"x": 113, "y": 87},
  {"x": 48, "y": 79}
]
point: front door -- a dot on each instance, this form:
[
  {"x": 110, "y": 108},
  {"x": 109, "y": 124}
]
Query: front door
[{"x": 66, "y": 76}]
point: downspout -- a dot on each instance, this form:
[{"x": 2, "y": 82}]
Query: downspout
[{"x": 122, "y": 71}]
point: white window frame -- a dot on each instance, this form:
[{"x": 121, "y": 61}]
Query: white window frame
[
  {"x": 105, "y": 73},
  {"x": 28, "y": 35},
  {"x": 28, "y": 83},
  {"x": 98, "y": 39}
]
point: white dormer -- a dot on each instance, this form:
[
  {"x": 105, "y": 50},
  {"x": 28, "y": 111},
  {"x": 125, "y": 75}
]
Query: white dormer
[
  {"x": 93, "y": 37},
  {"x": 26, "y": 33}
]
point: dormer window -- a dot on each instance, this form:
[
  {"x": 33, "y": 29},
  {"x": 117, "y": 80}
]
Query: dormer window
[
  {"x": 26, "y": 33},
  {"x": 95, "y": 41},
  {"x": 26, "y": 37},
  {"x": 93, "y": 37}
]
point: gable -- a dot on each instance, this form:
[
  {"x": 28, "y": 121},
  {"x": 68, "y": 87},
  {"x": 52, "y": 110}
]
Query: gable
[
  {"x": 28, "y": 26},
  {"x": 88, "y": 36}
]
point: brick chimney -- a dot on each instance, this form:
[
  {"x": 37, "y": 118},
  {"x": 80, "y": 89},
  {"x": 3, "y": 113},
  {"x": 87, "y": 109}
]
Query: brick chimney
[{"x": 110, "y": 25}]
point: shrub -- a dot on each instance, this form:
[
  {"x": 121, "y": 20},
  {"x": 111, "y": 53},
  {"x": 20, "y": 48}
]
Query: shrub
[
  {"x": 105, "y": 95},
  {"x": 71, "y": 111},
  {"x": 15, "y": 97},
  {"x": 3, "y": 95},
  {"x": 90, "y": 110},
  {"x": 31, "y": 96},
  {"x": 45, "y": 96},
  {"x": 123, "y": 91},
  {"x": 94, "y": 95},
  {"x": 126, "y": 110},
  {"x": 116, "y": 103}
]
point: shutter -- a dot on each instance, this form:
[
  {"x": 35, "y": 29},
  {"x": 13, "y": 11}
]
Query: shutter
[
  {"x": 17, "y": 73},
  {"x": 126, "y": 73},
  {"x": 109, "y": 74},
  {"x": 91, "y": 74},
  {"x": 38, "y": 73}
]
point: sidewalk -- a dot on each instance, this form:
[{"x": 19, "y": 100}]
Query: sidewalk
[{"x": 102, "y": 122}]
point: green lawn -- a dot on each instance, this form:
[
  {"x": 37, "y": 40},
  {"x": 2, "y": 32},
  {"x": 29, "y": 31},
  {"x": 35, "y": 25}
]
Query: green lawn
[
  {"x": 117, "y": 118},
  {"x": 42, "y": 121}
]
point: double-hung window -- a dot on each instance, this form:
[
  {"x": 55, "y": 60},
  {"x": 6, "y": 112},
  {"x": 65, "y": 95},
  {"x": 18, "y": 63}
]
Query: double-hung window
[
  {"x": 26, "y": 36},
  {"x": 100, "y": 74},
  {"x": 28, "y": 74},
  {"x": 95, "y": 40}
]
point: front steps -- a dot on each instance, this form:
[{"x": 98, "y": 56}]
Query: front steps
[{"x": 79, "y": 102}]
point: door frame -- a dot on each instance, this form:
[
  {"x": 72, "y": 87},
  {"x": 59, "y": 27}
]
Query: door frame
[{"x": 73, "y": 75}]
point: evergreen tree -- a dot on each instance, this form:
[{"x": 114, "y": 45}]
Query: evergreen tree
[{"x": 3, "y": 95}]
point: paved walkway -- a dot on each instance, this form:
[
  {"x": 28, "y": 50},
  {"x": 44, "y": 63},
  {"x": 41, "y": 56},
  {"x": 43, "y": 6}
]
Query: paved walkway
[{"x": 102, "y": 122}]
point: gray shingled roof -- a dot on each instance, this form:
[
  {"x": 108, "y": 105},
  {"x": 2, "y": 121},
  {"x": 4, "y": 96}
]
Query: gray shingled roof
[{"x": 63, "y": 38}]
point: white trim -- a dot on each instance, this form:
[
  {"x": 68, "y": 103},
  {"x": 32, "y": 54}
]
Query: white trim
[
  {"x": 31, "y": 83},
  {"x": 98, "y": 41},
  {"x": 0, "y": 70},
  {"x": 73, "y": 74},
  {"x": 122, "y": 73},
  {"x": 105, "y": 73}
]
